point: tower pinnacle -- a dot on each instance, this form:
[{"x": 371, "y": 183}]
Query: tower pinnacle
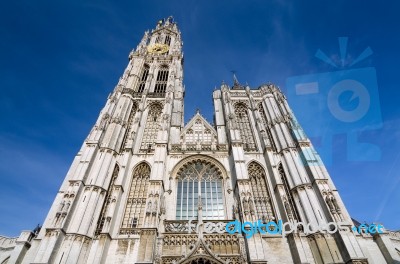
[{"x": 236, "y": 84}]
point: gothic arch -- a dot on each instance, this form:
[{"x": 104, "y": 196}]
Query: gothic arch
[
  {"x": 201, "y": 254},
  {"x": 161, "y": 79},
  {"x": 5, "y": 261},
  {"x": 241, "y": 103},
  {"x": 199, "y": 187},
  {"x": 151, "y": 127},
  {"x": 154, "y": 104},
  {"x": 137, "y": 195},
  {"x": 243, "y": 121},
  {"x": 258, "y": 163},
  {"x": 143, "y": 77},
  {"x": 218, "y": 164},
  {"x": 139, "y": 163},
  {"x": 163, "y": 66},
  {"x": 261, "y": 193},
  {"x": 202, "y": 260}
]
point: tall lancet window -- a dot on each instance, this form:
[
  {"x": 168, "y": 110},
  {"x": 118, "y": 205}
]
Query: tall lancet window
[
  {"x": 243, "y": 123},
  {"x": 162, "y": 79},
  {"x": 107, "y": 201},
  {"x": 136, "y": 203},
  {"x": 288, "y": 201},
  {"x": 143, "y": 78},
  {"x": 202, "y": 178},
  {"x": 151, "y": 128},
  {"x": 261, "y": 195},
  {"x": 167, "y": 40}
]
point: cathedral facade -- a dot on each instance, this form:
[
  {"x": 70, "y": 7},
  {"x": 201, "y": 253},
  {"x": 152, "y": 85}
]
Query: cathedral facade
[{"x": 147, "y": 188}]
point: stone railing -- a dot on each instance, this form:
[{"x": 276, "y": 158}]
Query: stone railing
[
  {"x": 129, "y": 231},
  {"x": 156, "y": 95},
  {"x": 183, "y": 226},
  {"x": 195, "y": 147},
  {"x": 131, "y": 92},
  {"x": 136, "y": 94},
  {"x": 179, "y": 226},
  {"x": 7, "y": 242}
]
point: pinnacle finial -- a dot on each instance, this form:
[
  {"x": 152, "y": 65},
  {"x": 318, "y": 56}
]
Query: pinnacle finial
[
  {"x": 235, "y": 80},
  {"x": 236, "y": 84}
]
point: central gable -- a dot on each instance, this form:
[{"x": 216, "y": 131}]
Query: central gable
[{"x": 198, "y": 132}]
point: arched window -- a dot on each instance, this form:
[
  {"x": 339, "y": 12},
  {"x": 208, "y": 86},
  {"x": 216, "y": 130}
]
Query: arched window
[
  {"x": 189, "y": 136},
  {"x": 199, "y": 178},
  {"x": 107, "y": 200},
  {"x": 136, "y": 204},
  {"x": 207, "y": 136},
  {"x": 167, "y": 40},
  {"x": 162, "y": 79},
  {"x": 151, "y": 128},
  {"x": 262, "y": 198},
  {"x": 243, "y": 122},
  {"x": 143, "y": 79}
]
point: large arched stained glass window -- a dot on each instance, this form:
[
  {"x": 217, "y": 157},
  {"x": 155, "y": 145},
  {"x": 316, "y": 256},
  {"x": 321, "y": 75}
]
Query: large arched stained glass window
[{"x": 199, "y": 179}]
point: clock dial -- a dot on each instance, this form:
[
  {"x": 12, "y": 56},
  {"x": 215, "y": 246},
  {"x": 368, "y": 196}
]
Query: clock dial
[{"x": 157, "y": 48}]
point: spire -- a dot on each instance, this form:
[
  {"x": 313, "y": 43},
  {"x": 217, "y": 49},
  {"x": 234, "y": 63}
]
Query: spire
[
  {"x": 236, "y": 84},
  {"x": 235, "y": 80},
  {"x": 165, "y": 22}
]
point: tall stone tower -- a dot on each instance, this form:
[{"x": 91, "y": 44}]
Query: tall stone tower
[{"x": 146, "y": 188}]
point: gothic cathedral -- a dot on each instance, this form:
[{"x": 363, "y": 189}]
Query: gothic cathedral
[{"x": 147, "y": 188}]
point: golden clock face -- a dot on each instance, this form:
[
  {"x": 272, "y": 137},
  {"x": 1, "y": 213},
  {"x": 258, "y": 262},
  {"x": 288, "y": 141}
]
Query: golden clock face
[{"x": 158, "y": 48}]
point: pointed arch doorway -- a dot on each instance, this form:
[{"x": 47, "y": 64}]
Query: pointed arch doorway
[{"x": 201, "y": 260}]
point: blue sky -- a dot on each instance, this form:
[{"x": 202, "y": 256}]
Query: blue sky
[{"x": 60, "y": 60}]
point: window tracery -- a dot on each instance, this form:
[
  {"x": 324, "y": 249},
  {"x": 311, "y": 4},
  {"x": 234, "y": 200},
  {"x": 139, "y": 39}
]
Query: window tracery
[
  {"x": 136, "y": 203},
  {"x": 198, "y": 133},
  {"x": 199, "y": 179},
  {"x": 151, "y": 129},
  {"x": 167, "y": 40},
  {"x": 261, "y": 195},
  {"x": 162, "y": 79},
  {"x": 243, "y": 122},
  {"x": 143, "y": 79}
]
